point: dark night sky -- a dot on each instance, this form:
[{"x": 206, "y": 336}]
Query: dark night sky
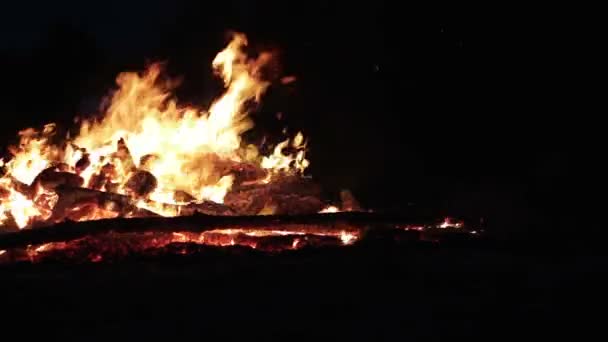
[{"x": 451, "y": 108}]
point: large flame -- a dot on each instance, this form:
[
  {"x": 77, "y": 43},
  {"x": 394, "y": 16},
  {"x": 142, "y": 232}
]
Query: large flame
[
  {"x": 185, "y": 145},
  {"x": 144, "y": 128}
]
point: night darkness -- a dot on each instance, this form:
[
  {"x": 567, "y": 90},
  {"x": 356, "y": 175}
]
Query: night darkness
[{"x": 443, "y": 109}]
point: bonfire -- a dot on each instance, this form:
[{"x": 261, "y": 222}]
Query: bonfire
[{"x": 150, "y": 158}]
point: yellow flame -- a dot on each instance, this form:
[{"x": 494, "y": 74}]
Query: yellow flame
[
  {"x": 187, "y": 144},
  {"x": 20, "y": 207},
  {"x": 279, "y": 161},
  {"x": 184, "y": 148},
  {"x": 347, "y": 238},
  {"x": 329, "y": 209},
  {"x": 449, "y": 223},
  {"x": 33, "y": 154}
]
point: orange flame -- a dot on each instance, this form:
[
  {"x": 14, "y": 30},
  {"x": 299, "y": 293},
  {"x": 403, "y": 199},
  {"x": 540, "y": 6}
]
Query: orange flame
[{"x": 144, "y": 128}]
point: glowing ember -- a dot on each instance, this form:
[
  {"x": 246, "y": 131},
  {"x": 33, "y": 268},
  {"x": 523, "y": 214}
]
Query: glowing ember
[
  {"x": 330, "y": 209},
  {"x": 449, "y": 223},
  {"x": 20, "y": 208},
  {"x": 112, "y": 246},
  {"x": 347, "y": 238},
  {"x": 419, "y": 228},
  {"x": 43, "y": 248}
]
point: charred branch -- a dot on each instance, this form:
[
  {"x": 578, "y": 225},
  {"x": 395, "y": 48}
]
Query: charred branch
[
  {"x": 50, "y": 179},
  {"x": 82, "y": 164},
  {"x": 141, "y": 184},
  {"x": 82, "y": 200},
  {"x": 289, "y": 194},
  {"x": 308, "y": 224}
]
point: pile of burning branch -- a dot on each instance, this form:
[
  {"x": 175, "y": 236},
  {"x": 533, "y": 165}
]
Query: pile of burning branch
[{"x": 150, "y": 173}]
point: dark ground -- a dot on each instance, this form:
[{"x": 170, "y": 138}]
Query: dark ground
[{"x": 374, "y": 291}]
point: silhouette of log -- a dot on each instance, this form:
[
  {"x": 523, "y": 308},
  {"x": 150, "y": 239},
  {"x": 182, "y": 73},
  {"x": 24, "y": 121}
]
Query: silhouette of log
[
  {"x": 50, "y": 179},
  {"x": 141, "y": 184},
  {"x": 291, "y": 195},
  {"x": 75, "y": 197},
  {"x": 308, "y": 224}
]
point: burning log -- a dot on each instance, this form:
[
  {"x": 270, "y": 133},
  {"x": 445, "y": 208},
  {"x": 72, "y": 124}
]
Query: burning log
[
  {"x": 270, "y": 243},
  {"x": 290, "y": 194},
  {"x": 50, "y": 179},
  {"x": 294, "y": 184},
  {"x": 247, "y": 172},
  {"x": 248, "y": 202},
  {"x": 82, "y": 212},
  {"x": 117, "y": 246},
  {"x": 124, "y": 155},
  {"x": 297, "y": 205},
  {"x": 83, "y": 163},
  {"x": 81, "y": 199},
  {"x": 328, "y": 224},
  {"x": 76, "y": 202},
  {"x": 208, "y": 208},
  {"x": 141, "y": 184},
  {"x": 183, "y": 197},
  {"x": 103, "y": 178}
]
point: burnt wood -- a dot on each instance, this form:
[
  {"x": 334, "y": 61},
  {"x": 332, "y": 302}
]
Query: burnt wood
[{"x": 311, "y": 224}]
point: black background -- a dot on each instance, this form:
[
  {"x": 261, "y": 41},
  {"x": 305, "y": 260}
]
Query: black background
[{"x": 458, "y": 109}]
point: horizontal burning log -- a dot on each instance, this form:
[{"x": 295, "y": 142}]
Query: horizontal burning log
[
  {"x": 290, "y": 195},
  {"x": 122, "y": 205},
  {"x": 74, "y": 197},
  {"x": 51, "y": 178},
  {"x": 331, "y": 223}
]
